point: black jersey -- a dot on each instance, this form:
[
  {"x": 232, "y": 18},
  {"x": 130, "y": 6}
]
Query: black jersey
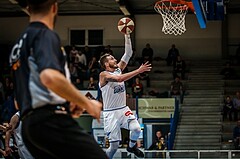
[{"x": 37, "y": 49}]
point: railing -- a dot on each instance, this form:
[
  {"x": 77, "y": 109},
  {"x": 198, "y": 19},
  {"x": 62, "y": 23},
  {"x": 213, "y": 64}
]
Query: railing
[
  {"x": 229, "y": 153},
  {"x": 173, "y": 125},
  {"x": 197, "y": 154}
]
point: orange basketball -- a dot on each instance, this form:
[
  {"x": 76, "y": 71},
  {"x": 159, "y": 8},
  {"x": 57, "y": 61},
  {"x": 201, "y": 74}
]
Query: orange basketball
[{"x": 126, "y": 25}]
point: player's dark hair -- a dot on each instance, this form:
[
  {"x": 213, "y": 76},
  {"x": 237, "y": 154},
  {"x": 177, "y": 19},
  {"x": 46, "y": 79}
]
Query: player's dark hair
[
  {"x": 103, "y": 59},
  {"x": 40, "y": 6}
]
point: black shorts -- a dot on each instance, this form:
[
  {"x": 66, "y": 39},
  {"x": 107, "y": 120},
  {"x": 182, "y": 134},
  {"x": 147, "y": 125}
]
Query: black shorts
[{"x": 51, "y": 133}]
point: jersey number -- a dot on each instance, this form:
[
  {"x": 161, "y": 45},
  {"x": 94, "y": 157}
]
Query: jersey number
[{"x": 128, "y": 113}]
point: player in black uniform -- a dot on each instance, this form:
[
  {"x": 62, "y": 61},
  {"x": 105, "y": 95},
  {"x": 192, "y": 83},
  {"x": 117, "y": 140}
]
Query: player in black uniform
[{"x": 43, "y": 88}]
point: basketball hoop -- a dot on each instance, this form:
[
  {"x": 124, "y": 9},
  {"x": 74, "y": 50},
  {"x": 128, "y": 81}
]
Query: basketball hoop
[{"x": 173, "y": 13}]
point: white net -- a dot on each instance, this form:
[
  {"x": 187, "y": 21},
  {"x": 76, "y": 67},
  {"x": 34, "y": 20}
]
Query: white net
[{"x": 173, "y": 15}]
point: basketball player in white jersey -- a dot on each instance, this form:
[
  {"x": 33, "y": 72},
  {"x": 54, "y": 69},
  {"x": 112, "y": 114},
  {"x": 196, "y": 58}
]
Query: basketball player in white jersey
[
  {"x": 16, "y": 128},
  {"x": 116, "y": 113}
]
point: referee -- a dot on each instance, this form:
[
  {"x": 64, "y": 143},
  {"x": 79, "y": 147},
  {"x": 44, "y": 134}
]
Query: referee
[{"x": 43, "y": 89}]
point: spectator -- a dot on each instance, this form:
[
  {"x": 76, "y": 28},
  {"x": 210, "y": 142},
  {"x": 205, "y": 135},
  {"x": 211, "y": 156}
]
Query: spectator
[
  {"x": 236, "y": 105},
  {"x": 236, "y": 135},
  {"x": 172, "y": 55},
  {"x": 81, "y": 59},
  {"x": 81, "y": 64},
  {"x": 108, "y": 50},
  {"x": 92, "y": 85},
  {"x": 147, "y": 54},
  {"x": 73, "y": 53},
  {"x": 73, "y": 72},
  {"x": 137, "y": 88},
  {"x": 78, "y": 84},
  {"x": 144, "y": 76},
  {"x": 88, "y": 53},
  {"x": 228, "y": 108},
  {"x": 179, "y": 67},
  {"x": 176, "y": 88},
  {"x": 158, "y": 144},
  {"x": 93, "y": 68},
  {"x": 228, "y": 72}
]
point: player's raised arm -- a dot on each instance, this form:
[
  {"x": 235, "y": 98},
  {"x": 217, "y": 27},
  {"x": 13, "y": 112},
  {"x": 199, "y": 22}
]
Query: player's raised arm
[
  {"x": 105, "y": 76},
  {"x": 127, "y": 54}
]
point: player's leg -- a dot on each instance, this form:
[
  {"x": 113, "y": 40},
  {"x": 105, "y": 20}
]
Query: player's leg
[
  {"x": 113, "y": 131},
  {"x": 112, "y": 149},
  {"x": 135, "y": 131}
]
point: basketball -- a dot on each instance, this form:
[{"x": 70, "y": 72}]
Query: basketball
[{"x": 126, "y": 25}]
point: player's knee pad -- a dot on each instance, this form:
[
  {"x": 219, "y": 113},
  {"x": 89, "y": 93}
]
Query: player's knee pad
[
  {"x": 134, "y": 126},
  {"x": 135, "y": 130}
]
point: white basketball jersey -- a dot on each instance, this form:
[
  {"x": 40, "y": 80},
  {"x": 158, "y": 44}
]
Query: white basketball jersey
[
  {"x": 114, "y": 93},
  {"x": 17, "y": 134},
  {"x": 22, "y": 149}
]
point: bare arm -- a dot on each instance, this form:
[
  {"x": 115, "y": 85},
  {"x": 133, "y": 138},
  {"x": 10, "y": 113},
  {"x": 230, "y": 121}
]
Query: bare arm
[
  {"x": 13, "y": 123},
  {"x": 57, "y": 82},
  {"x": 104, "y": 76}
]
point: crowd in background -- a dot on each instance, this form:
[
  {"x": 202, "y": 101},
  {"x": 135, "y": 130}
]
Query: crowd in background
[{"x": 84, "y": 69}]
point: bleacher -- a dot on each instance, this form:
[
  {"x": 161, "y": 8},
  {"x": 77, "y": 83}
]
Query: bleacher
[
  {"x": 200, "y": 124},
  {"x": 200, "y": 121},
  {"x": 160, "y": 77},
  {"x": 230, "y": 88}
]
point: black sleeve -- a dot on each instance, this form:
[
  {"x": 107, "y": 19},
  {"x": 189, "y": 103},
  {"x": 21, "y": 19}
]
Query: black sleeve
[{"x": 47, "y": 51}]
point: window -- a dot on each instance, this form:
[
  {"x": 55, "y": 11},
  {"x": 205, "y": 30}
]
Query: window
[
  {"x": 82, "y": 37},
  {"x": 77, "y": 37},
  {"x": 95, "y": 37}
]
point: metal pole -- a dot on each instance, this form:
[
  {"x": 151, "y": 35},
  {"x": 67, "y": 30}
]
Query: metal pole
[{"x": 229, "y": 154}]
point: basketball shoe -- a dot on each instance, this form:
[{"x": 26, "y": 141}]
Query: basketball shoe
[{"x": 136, "y": 151}]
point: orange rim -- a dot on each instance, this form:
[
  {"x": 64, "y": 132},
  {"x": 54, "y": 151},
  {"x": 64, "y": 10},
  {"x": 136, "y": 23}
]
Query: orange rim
[{"x": 189, "y": 4}]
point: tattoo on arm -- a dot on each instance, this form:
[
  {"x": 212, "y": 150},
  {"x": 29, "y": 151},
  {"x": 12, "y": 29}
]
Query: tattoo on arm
[{"x": 111, "y": 79}]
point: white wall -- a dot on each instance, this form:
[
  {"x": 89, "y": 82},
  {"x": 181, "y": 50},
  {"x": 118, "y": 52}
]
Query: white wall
[
  {"x": 195, "y": 43},
  {"x": 10, "y": 28}
]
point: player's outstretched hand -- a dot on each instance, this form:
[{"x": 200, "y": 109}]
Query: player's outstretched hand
[{"x": 145, "y": 67}]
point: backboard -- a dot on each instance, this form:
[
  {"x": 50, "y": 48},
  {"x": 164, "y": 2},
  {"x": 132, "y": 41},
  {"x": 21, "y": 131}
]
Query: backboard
[{"x": 208, "y": 10}]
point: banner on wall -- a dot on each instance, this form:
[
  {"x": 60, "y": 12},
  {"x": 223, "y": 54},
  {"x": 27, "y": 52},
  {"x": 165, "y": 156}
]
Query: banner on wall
[{"x": 156, "y": 107}]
